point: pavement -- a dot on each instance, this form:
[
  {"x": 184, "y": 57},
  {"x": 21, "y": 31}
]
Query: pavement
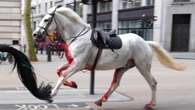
[
  {"x": 176, "y": 90},
  {"x": 184, "y": 55}
]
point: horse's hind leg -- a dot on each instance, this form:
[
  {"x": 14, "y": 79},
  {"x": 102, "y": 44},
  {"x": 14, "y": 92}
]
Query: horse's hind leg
[
  {"x": 115, "y": 83},
  {"x": 145, "y": 70}
]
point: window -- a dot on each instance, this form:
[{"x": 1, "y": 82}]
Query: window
[
  {"x": 34, "y": 25},
  {"x": 33, "y": 10},
  {"x": 45, "y": 6},
  {"x": 39, "y": 8},
  {"x": 15, "y": 42},
  {"x": 125, "y": 4},
  {"x": 106, "y": 26},
  {"x": 149, "y": 2},
  {"x": 79, "y": 7},
  {"x": 137, "y": 3},
  {"x": 104, "y": 6},
  {"x": 137, "y": 27},
  {"x": 51, "y": 4}
]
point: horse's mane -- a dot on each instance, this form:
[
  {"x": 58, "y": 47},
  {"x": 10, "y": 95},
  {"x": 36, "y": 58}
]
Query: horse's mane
[{"x": 69, "y": 13}]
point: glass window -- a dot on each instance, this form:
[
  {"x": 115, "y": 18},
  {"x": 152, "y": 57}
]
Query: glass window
[
  {"x": 39, "y": 8},
  {"x": 51, "y": 4},
  {"x": 130, "y": 24},
  {"x": 45, "y": 6},
  {"x": 137, "y": 27},
  {"x": 149, "y": 2},
  {"x": 106, "y": 26},
  {"x": 125, "y": 4},
  {"x": 104, "y": 6},
  {"x": 79, "y": 7},
  {"x": 137, "y": 3},
  {"x": 34, "y": 10},
  {"x": 34, "y": 25}
]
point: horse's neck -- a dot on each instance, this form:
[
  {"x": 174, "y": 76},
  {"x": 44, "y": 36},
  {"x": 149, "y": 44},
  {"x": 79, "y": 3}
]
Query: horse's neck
[{"x": 70, "y": 29}]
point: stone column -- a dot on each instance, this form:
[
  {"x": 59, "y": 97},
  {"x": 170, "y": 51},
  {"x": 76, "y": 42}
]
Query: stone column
[
  {"x": 157, "y": 28},
  {"x": 115, "y": 6},
  {"x": 192, "y": 33}
]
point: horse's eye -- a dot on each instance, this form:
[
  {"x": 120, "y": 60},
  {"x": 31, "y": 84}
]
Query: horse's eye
[{"x": 46, "y": 20}]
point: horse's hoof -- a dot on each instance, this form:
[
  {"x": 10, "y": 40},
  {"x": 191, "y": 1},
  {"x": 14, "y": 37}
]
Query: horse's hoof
[
  {"x": 74, "y": 85},
  {"x": 98, "y": 103},
  {"x": 71, "y": 84},
  {"x": 148, "y": 107},
  {"x": 50, "y": 100}
]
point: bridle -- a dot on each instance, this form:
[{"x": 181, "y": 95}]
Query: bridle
[{"x": 45, "y": 28}]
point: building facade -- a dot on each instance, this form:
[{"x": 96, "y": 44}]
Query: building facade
[
  {"x": 173, "y": 27},
  {"x": 10, "y": 22},
  {"x": 175, "y": 24},
  {"x": 125, "y": 16}
]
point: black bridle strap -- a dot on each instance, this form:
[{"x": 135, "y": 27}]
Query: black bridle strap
[
  {"x": 50, "y": 21},
  {"x": 43, "y": 29}
]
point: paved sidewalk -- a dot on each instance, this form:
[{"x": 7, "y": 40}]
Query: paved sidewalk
[{"x": 184, "y": 55}]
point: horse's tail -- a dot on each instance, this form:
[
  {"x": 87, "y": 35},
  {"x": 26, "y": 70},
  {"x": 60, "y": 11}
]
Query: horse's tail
[
  {"x": 165, "y": 58},
  {"x": 27, "y": 74}
]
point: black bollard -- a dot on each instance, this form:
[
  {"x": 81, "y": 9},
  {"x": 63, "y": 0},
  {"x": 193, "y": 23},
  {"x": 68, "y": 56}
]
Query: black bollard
[{"x": 48, "y": 54}]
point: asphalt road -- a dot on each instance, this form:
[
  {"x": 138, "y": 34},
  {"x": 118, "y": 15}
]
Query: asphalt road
[{"x": 176, "y": 90}]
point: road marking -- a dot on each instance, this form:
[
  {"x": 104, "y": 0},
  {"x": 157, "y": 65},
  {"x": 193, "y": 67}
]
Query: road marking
[
  {"x": 35, "y": 106},
  {"x": 21, "y": 99}
]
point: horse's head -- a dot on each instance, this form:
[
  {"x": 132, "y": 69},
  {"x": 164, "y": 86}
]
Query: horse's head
[
  {"x": 46, "y": 26},
  {"x": 62, "y": 20}
]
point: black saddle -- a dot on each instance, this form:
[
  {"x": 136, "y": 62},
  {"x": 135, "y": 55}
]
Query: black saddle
[{"x": 106, "y": 40}]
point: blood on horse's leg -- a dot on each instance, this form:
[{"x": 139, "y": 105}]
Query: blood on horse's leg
[
  {"x": 115, "y": 83},
  {"x": 71, "y": 84}
]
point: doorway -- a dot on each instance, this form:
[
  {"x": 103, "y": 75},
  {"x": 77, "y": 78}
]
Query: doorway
[{"x": 180, "y": 33}]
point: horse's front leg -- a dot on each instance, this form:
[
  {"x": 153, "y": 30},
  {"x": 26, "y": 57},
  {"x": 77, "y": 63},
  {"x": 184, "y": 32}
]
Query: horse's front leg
[
  {"x": 80, "y": 56},
  {"x": 65, "y": 74},
  {"x": 66, "y": 83}
]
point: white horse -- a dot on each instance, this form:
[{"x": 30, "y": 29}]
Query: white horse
[{"x": 80, "y": 52}]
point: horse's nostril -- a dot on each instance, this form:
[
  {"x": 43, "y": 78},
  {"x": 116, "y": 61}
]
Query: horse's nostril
[{"x": 34, "y": 35}]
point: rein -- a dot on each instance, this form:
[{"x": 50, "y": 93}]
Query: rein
[{"x": 81, "y": 33}]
